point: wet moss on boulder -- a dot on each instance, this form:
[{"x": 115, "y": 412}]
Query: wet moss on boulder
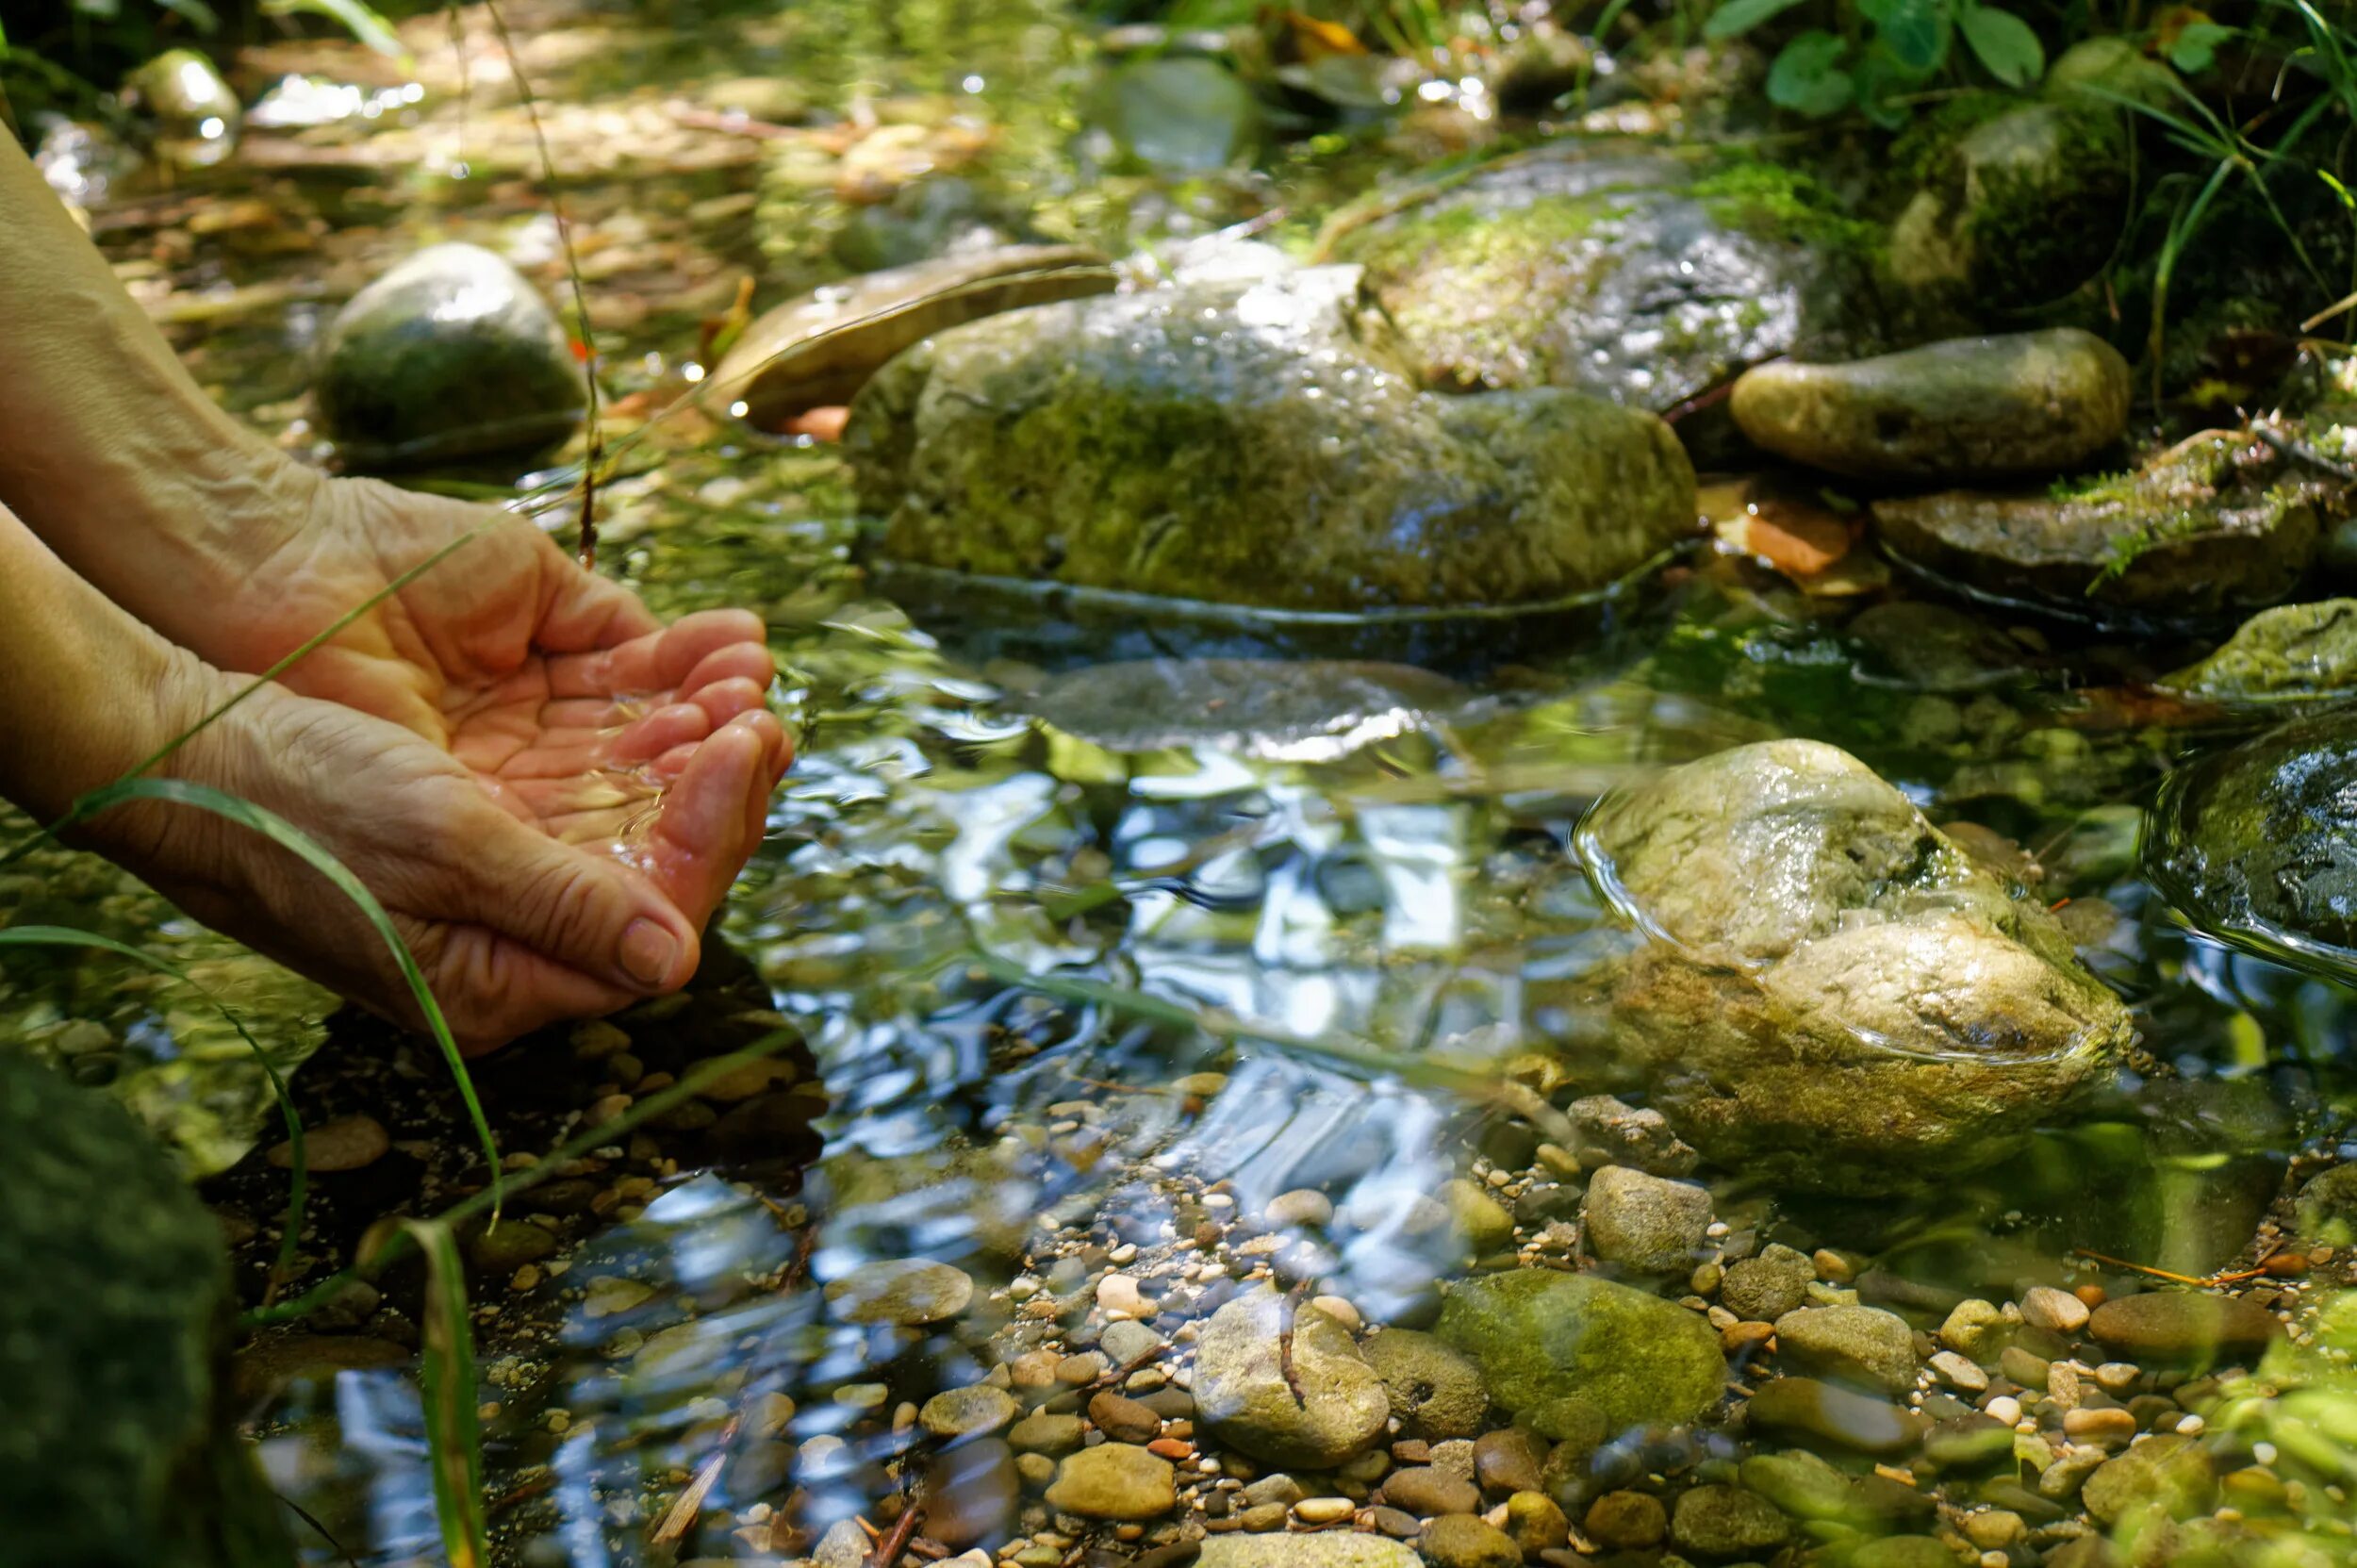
[
  {"x": 1840, "y": 997},
  {"x": 2291, "y": 655},
  {"x": 1258, "y": 444},
  {"x": 1542, "y": 1337}
]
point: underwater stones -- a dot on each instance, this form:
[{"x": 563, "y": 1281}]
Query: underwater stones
[
  {"x": 1724, "y": 1522},
  {"x": 1643, "y": 1223},
  {"x": 195, "y": 114},
  {"x": 1251, "y": 443},
  {"x": 449, "y": 354},
  {"x": 2181, "y": 1327},
  {"x": 822, "y": 348},
  {"x": 1435, "y": 1393},
  {"x": 2032, "y": 403},
  {"x": 1243, "y": 1398},
  {"x": 2252, "y": 843},
  {"x": 2291, "y": 654},
  {"x": 2019, "y": 210},
  {"x": 2173, "y": 1474},
  {"x": 1849, "y": 1343},
  {"x": 1844, "y": 999},
  {"x": 1114, "y": 1480},
  {"x": 1462, "y": 1540},
  {"x": 973, "y": 1412},
  {"x": 1615, "y": 268},
  {"x": 909, "y": 1292},
  {"x": 1763, "y": 1288},
  {"x": 1325, "y": 1549},
  {"x": 1275, "y": 708},
  {"x": 1541, "y": 1336},
  {"x": 1804, "y": 1409},
  {"x": 2218, "y": 524},
  {"x": 119, "y": 1443}
]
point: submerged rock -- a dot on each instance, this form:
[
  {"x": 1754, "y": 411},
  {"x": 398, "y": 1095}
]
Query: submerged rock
[
  {"x": 2291, "y": 654},
  {"x": 1260, "y": 707},
  {"x": 120, "y": 1443},
  {"x": 821, "y": 349},
  {"x": 1325, "y": 1549},
  {"x": 449, "y": 353},
  {"x": 195, "y": 114},
  {"x": 1970, "y": 408},
  {"x": 1542, "y": 1337},
  {"x": 1243, "y": 1398},
  {"x": 1255, "y": 443},
  {"x": 2019, "y": 210},
  {"x": 2216, "y": 525},
  {"x": 1619, "y": 268},
  {"x": 2253, "y": 843},
  {"x": 1842, "y": 997}
]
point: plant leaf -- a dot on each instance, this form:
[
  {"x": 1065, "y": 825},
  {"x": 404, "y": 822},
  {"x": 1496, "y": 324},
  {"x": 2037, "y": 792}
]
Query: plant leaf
[
  {"x": 1738, "y": 17},
  {"x": 1807, "y": 77},
  {"x": 1911, "y": 34},
  {"x": 293, "y": 839},
  {"x": 2005, "y": 43},
  {"x": 453, "y": 1439},
  {"x": 2195, "y": 48},
  {"x": 196, "y": 14},
  {"x": 350, "y": 15},
  {"x": 298, "y": 1165}
]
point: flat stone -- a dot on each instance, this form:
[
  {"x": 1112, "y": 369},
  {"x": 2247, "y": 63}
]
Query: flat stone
[
  {"x": 1628, "y": 1521},
  {"x": 910, "y": 1291},
  {"x": 1114, "y": 1480},
  {"x": 974, "y": 1411},
  {"x": 1123, "y": 1419},
  {"x": 1435, "y": 1393},
  {"x": 1804, "y": 1409},
  {"x": 1243, "y": 1398},
  {"x": 1724, "y": 1522},
  {"x": 1042, "y": 1433},
  {"x": 1425, "y": 1491},
  {"x": 1325, "y": 1549},
  {"x": 1643, "y": 1223},
  {"x": 2177, "y": 1327},
  {"x": 1856, "y": 1344},
  {"x": 2058, "y": 1312},
  {"x": 343, "y": 1143},
  {"x": 1463, "y": 1540},
  {"x": 2172, "y": 1473},
  {"x": 1541, "y": 1335}
]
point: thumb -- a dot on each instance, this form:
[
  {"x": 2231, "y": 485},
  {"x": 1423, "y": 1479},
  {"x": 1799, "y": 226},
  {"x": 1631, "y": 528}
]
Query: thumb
[{"x": 588, "y": 912}]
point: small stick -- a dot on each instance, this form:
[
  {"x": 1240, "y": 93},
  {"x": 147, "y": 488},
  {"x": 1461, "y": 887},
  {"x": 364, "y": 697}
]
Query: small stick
[
  {"x": 690, "y": 1504},
  {"x": 2301, "y": 452},
  {"x": 1287, "y": 1309},
  {"x": 889, "y": 1547},
  {"x": 2164, "y": 1274},
  {"x": 1113, "y": 1375}
]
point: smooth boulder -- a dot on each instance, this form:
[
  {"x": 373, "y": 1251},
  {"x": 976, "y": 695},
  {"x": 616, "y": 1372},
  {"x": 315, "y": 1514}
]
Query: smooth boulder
[
  {"x": 1243, "y": 1398},
  {"x": 2290, "y": 655},
  {"x": 1252, "y": 443},
  {"x": 449, "y": 353},
  {"x": 1630, "y": 271},
  {"x": 1542, "y": 1337},
  {"x": 2218, "y": 524},
  {"x": 1838, "y": 998},
  {"x": 2031, "y": 402}
]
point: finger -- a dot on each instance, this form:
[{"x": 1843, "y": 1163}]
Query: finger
[
  {"x": 581, "y": 910},
  {"x": 700, "y": 841},
  {"x": 725, "y": 700},
  {"x": 582, "y": 611},
  {"x": 657, "y": 662},
  {"x": 493, "y": 988},
  {"x": 559, "y": 756},
  {"x": 739, "y": 661}
]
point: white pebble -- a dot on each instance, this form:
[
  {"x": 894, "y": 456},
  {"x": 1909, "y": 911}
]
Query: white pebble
[
  {"x": 2004, "y": 1409},
  {"x": 2190, "y": 1425}
]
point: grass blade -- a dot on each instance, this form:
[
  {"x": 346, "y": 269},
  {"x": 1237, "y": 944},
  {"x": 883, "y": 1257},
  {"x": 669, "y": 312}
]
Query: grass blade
[
  {"x": 298, "y": 1172},
  {"x": 293, "y": 839},
  {"x": 446, "y": 1376}
]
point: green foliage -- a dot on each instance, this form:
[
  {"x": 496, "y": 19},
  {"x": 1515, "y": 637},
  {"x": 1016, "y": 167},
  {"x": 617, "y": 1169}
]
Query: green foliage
[{"x": 1884, "y": 51}]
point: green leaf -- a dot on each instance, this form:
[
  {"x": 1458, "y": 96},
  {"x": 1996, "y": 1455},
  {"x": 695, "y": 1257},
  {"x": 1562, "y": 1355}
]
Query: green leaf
[
  {"x": 1807, "y": 77},
  {"x": 2196, "y": 48},
  {"x": 1737, "y": 17},
  {"x": 352, "y": 16},
  {"x": 298, "y": 1161},
  {"x": 196, "y": 14},
  {"x": 2005, "y": 43},
  {"x": 105, "y": 10},
  {"x": 1912, "y": 34},
  {"x": 293, "y": 839},
  {"x": 446, "y": 1376}
]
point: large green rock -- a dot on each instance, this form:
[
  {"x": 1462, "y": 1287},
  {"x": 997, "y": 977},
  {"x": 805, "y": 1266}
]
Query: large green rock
[
  {"x": 1252, "y": 443},
  {"x": 2290, "y": 655},
  {"x": 449, "y": 353},
  {"x": 1841, "y": 999},
  {"x": 119, "y": 1443},
  {"x": 2216, "y": 525},
  {"x": 1630, "y": 271},
  {"x": 2254, "y": 843},
  {"x": 2031, "y": 402},
  {"x": 1541, "y": 1336}
]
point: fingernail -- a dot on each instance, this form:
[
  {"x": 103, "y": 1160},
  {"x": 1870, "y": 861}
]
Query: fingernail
[{"x": 649, "y": 951}]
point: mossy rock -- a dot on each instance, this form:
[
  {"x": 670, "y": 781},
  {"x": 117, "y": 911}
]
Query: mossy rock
[
  {"x": 1255, "y": 444},
  {"x": 1801, "y": 1020},
  {"x": 121, "y": 1442},
  {"x": 449, "y": 353},
  {"x": 1541, "y": 1336},
  {"x": 2253, "y": 844},
  {"x": 2216, "y": 525},
  {"x": 1620, "y": 269},
  {"x": 2291, "y": 655}
]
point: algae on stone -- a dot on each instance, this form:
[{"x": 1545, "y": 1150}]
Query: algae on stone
[
  {"x": 1541, "y": 1336},
  {"x": 1252, "y": 443},
  {"x": 2290, "y": 654}
]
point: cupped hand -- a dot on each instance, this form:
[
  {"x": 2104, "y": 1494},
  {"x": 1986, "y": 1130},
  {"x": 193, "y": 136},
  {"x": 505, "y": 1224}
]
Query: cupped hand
[{"x": 627, "y": 765}]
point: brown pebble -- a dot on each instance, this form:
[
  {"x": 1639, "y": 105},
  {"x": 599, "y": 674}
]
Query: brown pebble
[
  {"x": 2092, "y": 1294},
  {"x": 1426, "y": 1491},
  {"x": 1171, "y": 1448},
  {"x": 346, "y": 1143},
  {"x": 1393, "y": 1522},
  {"x": 1508, "y": 1460},
  {"x": 1123, "y": 1419},
  {"x": 1746, "y": 1339},
  {"x": 1411, "y": 1450},
  {"x": 1628, "y": 1521},
  {"x": 2287, "y": 1265}
]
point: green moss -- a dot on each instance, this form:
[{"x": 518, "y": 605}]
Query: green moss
[
  {"x": 1771, "y": 201},
  {"x": 1916, "y": 156}
]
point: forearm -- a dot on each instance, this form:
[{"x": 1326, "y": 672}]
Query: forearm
[
  {"x": 90, "y": 693},
  {"x": 109, "y": 449}
]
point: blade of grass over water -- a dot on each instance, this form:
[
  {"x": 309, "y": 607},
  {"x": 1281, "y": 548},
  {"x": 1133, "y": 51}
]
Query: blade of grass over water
[
  {"x": 297, "y": 1171},
  {"x": 446, "y": 1377},
  {"x": 293, "y": 839},
  {"x": 1423, "y": 1072},
  {"x": 505, "y": 1183}
]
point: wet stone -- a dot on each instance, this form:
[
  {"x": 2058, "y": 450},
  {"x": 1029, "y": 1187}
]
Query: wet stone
[
  {"x": 509, "y": 1246},
  {"x": 962, "y": 1413},
  {"x": 1762, "y": 1289},
  {"x": 1462, "y": 1540},
  {"x": 1540, "y": 1335},
  {"x": 1644, "y": 1223},
  {"x": 2289, "y": 656},
  {"x": 345, "y": 1143},
  {"x": 1434, "y": 1392},
  {"x": 1536, "y": 1522},
  {"x": 1123, "y": 1420},
  {"x": 1806, "y": 1411},
  {"x": 1721, "y": 1522},
  {"x": 1857, "y": 1345},
  {"x": 1426, "y": 1491},
  {"x": 908, "y": 1291},
  {"x": 2176, "y": 1327},
  {"x": 1509, "y": 1459},
  {"x": 2172, "y": 1474},
  {"x": 1244, "y": 1398},
  {"x": 1904, "y": 1551},
  {"x": 1326, "y": 1549},
  {"x": 1114, "y": 1480},
  {"x": 1044, "y": 1433},
  {"x": 1628, "y": 1520},
  {"x": 970, "y": 1493}
]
